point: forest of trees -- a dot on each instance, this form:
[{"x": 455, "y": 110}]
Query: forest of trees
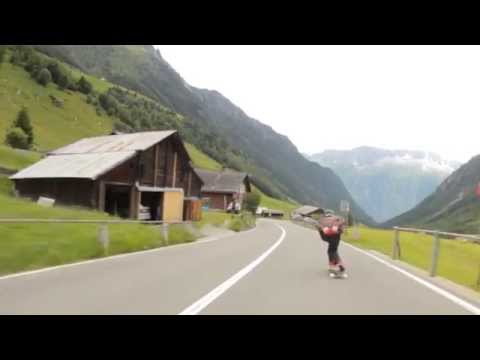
[
  {"x": 137, "y": 113},
  {"x": 46, "y": 71}
]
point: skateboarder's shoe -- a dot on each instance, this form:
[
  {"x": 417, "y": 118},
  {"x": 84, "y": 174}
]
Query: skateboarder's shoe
[{"x": 338, "y": 273}]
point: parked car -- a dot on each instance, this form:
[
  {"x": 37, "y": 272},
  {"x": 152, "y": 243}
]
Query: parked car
[
  {"x": 234, "y": 207},
  {"x": 144, "y": 213},
  {"x": 265, "y": 212}
]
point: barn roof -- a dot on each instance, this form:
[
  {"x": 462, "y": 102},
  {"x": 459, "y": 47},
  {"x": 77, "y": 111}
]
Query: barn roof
[
  {"x": 79, "y": 166},
  {"x": 307, "y": 210},
  {"x": 91, "y": 157},
  {"x": 112, "y": 143},
  {"x": 225, "y": 181}
]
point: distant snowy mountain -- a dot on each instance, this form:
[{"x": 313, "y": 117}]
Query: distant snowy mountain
[
  {"x": 426, "y": 161},
  {"x": 387, "y": 183}
]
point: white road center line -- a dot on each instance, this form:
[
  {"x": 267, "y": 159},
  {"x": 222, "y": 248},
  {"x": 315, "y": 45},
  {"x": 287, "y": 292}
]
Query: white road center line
[
  {"x": 206, "y": 300},
  {"x": 467, "y": 306}
]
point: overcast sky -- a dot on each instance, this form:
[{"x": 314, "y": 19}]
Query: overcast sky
[{"x": 340, "y": 97}]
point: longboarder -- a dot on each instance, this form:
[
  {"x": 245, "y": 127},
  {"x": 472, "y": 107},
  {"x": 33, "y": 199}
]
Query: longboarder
[{"x": 331, "y": 229}]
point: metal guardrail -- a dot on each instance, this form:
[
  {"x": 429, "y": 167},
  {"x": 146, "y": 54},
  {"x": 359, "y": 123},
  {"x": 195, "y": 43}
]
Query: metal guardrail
[
  {"x": 103, "y": 234},
  {"x": 92, "y": 221},
  {"x": 396, "y": 249},
  {"x": 475, "y": 238}
]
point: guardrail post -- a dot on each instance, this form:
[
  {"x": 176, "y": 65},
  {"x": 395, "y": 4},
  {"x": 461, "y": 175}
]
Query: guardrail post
[
  {"x": 436, "y": 249},
  {"x": 165, "y": 232},
  {"x": 103, "y": 237},
  {"x": 396, "y": 245},
  {"x": 478, "y": 278}
]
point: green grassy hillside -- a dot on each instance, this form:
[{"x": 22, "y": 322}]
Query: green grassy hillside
[
  {"x": 53, "y": 126},
  {"x": 275, "y": 204},
  {"x": 15, "y": 159},
  {"x": 202, "y": 160}
]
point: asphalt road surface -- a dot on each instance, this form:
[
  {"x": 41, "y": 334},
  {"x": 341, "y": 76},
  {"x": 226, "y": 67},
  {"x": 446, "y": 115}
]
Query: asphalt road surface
[{"x": 276, "y": 268}]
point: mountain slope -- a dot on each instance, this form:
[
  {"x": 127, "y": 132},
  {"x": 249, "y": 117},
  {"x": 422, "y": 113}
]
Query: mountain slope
[
  {"x": 277, "y": 167},
  {"x": 53, "y": 126},
  {"x": 387, "y": 183},
  {"x": 453, "y": 206}
]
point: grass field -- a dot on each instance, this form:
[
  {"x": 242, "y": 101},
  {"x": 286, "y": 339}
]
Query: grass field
[
  {"x": 14, "y": 159},
  {"x": 276, "y": 204},
  {"x": 458, "y": 261},
  {"x": 201, "y": 160},
  {"x": 233, "y": 222},
  {"x": 32, "y": 246}
]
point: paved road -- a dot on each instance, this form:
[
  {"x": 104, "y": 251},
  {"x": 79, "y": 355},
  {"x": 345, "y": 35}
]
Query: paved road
[{"x": 277, "y": 268}]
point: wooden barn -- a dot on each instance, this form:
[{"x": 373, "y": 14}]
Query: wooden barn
[
  {"x": 146, "y": 175},
  {"x": 225, "y": 189}
]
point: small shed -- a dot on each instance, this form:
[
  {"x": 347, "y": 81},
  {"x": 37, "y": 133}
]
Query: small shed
[
  {"x": 223, "y": 188},
  {"x": 308, "y": 211}
]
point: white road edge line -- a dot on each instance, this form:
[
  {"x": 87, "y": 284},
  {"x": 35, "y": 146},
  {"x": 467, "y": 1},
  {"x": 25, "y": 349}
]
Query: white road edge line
[
  {"x": 115, "y": 257},
  {"x": 462, "y": 303},
  {"x": 206, "y": 300}
]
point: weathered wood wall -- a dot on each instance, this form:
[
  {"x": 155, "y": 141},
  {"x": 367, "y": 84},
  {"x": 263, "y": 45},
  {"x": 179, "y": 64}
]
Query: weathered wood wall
[{"x": 64, "y": 191}]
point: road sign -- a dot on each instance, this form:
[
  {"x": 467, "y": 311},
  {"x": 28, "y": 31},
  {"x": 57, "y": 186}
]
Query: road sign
[{"x": 344, "y": 206}]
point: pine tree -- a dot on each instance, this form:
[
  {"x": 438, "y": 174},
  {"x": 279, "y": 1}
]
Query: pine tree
[
  {"x": 44, "y": 77},
  {"x": 84, "y": 86},
  {"x": 17, "y": 139},
  {"x": 23, "y": 122}
]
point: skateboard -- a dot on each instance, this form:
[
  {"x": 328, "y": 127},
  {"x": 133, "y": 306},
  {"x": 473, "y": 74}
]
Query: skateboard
[{"x": 337, "y": 274}]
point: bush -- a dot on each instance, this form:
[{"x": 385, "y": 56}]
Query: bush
[
  {"x": 108, "y": 102},
  {"x": 241, "y": 222},
  {"x": 44, "y": 77},
  {"x": 59, "y": 75},
  {"x": 17, "y": 138},
  {"x": 15, "y": 58},
  {"x": 84, "y": 86},
  {"x": 72, "y": 86},
  {"x": 252, "y": 201},
  {"x": 63, "y": 82},
  {"x": 23, "y": 122},
  {"x": 55, "y": 70}
]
